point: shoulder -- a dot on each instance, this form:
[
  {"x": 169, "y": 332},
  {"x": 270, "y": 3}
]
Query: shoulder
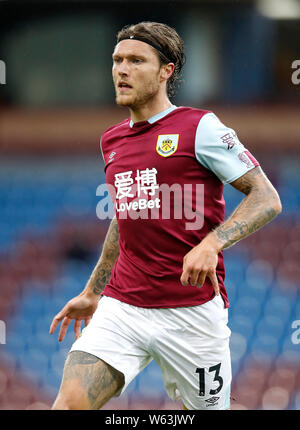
[
  {"x": 211, "y": 119},
  {"x": 115, "y": 129},
  {"x": 191, "y": 113},
  {"x": 112, "y": 133}
]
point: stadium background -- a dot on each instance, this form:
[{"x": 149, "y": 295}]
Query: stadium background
[{"x": 57, "y": 100}]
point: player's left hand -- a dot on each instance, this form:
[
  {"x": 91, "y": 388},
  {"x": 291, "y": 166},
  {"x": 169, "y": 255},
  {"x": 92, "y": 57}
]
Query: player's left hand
[{"x": 200, "y": 263}]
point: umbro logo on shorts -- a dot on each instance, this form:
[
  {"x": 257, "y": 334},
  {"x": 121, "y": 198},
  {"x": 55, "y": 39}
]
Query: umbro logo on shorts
[{"x": 212, "y": 401}]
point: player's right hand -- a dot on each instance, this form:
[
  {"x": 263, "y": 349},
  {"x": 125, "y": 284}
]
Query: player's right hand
[{"x": 79, "y": 308}]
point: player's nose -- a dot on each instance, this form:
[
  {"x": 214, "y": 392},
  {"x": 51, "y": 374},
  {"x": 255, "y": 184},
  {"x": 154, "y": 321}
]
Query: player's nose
[{"x": 123, "y": 69}]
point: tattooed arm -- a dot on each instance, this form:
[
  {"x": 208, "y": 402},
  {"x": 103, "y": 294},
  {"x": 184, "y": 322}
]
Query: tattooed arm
[
  {"x": 109, "y": 255},
  {"x": 260, "y": 205},
  {"x": 84, "y": 305}
]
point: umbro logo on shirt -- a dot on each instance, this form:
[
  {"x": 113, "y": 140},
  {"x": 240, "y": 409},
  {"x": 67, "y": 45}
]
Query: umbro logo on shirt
[{"x": 111, "y": 156}]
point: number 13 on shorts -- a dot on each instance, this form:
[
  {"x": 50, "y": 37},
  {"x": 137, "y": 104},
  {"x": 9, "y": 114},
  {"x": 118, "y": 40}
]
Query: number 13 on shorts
[
  {"x": 213, "y": 387},
  {"x": 217, "y": 377}
]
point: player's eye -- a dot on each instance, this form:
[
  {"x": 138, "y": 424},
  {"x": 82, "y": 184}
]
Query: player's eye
[
  {"x": 137, "y": 60},
  {"x": 117, "y": 60}
]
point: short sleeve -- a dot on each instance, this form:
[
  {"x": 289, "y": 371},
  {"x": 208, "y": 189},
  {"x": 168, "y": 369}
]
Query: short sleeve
[{"x": 218, "y": 148}]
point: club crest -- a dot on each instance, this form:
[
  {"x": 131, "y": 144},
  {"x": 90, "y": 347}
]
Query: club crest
[{"x": 167, "y": 144}]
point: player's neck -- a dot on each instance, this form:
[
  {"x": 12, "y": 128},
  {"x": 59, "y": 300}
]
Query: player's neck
[{"x": 147, "y": 111}]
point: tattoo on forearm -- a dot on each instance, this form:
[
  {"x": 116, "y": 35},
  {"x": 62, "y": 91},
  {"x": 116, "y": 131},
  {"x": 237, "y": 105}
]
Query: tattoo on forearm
[
  {"x": 235, "y": 231},
  {"x": 110, "y": 252},
  {"x": 228, "y": 234},
  {"x": 255, "y": 210},
  {"x": 100, "y": 277}
]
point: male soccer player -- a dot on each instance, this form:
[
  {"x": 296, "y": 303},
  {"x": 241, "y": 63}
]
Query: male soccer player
[{"x": 161, "y": 276}]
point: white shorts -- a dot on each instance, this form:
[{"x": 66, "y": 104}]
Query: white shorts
[{"x": 190, "y": 344}]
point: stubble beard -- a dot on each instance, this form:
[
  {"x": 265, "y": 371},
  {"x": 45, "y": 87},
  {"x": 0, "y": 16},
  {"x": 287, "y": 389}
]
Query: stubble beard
[{"x": 141, "y": 98}]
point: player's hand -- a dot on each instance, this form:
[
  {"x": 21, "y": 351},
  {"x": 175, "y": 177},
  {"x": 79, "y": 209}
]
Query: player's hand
[
  {"x": 79, "y": 308},
  {"x": 200, "y": 263}
]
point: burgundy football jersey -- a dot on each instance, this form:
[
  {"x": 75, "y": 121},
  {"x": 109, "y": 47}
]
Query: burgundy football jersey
[{"x": 165, "y": 177}]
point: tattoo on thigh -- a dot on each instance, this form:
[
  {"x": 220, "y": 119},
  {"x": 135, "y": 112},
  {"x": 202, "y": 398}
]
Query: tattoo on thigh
[
  {"x": 78, "y": 357},
  {"x": 99, "y": 379}
]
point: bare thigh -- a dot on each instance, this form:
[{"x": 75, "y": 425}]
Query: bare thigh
[{"x": 88, "y": 382}]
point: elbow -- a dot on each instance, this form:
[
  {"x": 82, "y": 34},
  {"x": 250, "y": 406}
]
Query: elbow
[
  {"x": 276, "y": 204},
  {"x": 278, "y": 207}
]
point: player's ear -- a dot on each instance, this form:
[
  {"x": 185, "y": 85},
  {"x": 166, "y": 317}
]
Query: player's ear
[{"x": 166, "y": 71}]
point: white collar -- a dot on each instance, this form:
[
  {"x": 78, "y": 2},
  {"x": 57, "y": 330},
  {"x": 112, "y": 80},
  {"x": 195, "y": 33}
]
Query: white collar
[{"x": 157, "y": 116}]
